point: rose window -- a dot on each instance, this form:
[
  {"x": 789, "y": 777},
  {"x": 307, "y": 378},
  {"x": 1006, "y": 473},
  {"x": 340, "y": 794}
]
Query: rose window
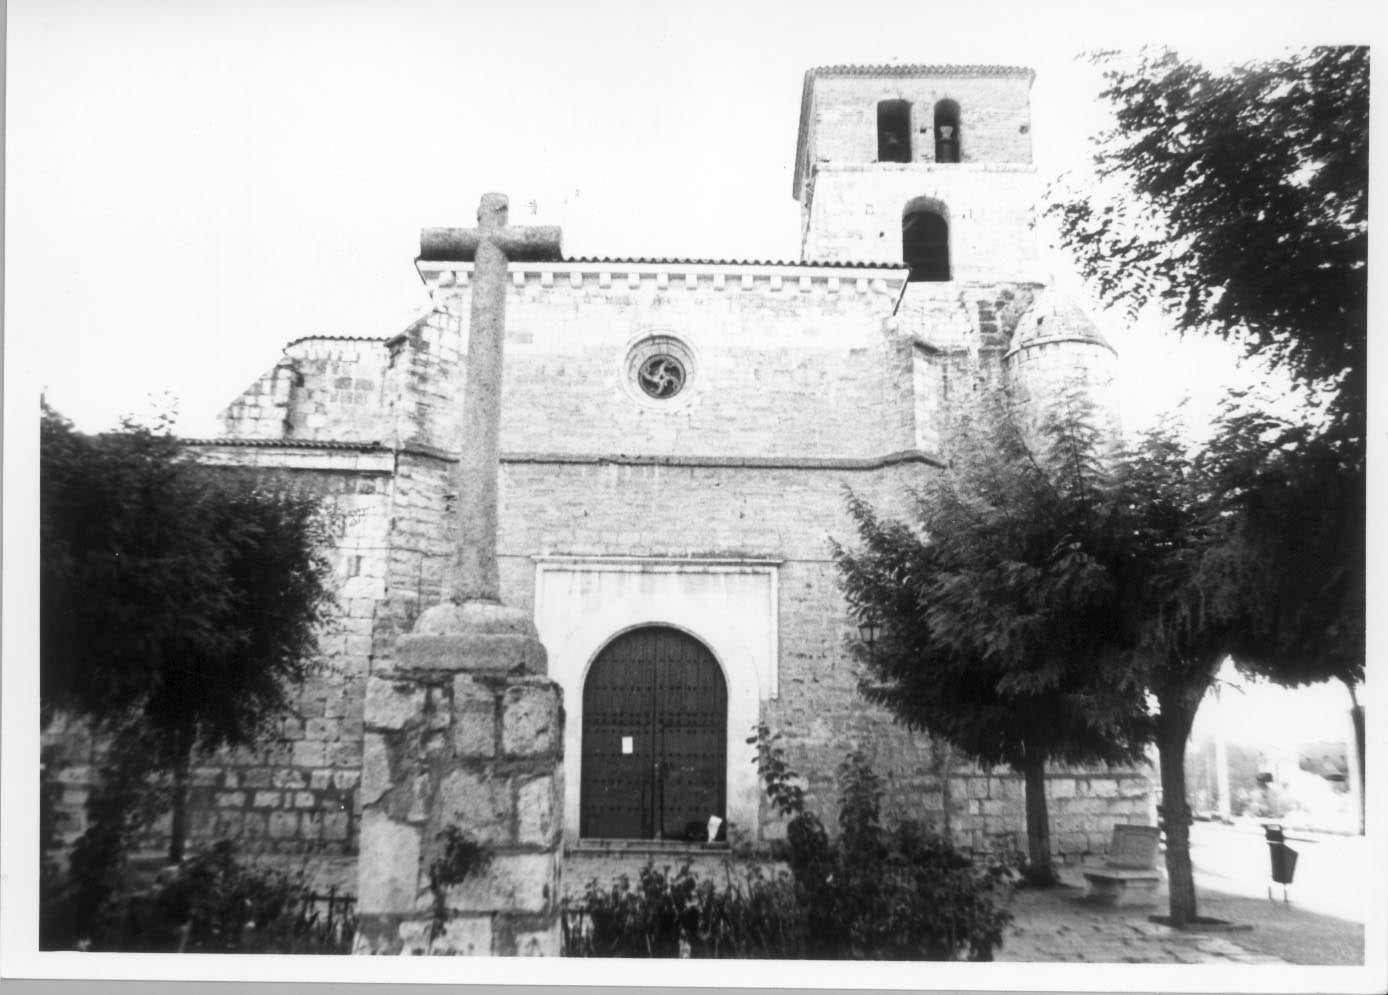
[
  {"x": 660, "y": 370},
  {"x": 661, "y": 376}
]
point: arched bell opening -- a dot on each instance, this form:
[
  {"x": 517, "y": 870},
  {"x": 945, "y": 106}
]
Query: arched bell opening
[
  {"x": 946, "y": 126},
  {"x": 925, "y": 242},
  {"x": 894, "y": 131}
]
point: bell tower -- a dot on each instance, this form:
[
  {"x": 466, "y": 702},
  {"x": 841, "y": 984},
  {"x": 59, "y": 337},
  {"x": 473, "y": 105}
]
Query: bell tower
[{"x": 930, "y": 166}]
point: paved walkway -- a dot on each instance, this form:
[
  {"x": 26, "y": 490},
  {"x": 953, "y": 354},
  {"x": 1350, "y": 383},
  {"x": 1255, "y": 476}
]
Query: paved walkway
[{"x": 1058, "y": 925}]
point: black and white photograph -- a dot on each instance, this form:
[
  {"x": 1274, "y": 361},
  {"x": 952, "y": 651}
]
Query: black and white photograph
[{"x": 873, "y": 492}]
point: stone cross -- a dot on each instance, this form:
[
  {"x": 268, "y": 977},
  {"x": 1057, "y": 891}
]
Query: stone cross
[
  {"x": 470, "y": 681},
  {"x": 489, "y": 246}
]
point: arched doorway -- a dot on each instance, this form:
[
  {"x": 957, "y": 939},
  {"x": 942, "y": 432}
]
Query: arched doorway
[{"x": 655, "y": 718}]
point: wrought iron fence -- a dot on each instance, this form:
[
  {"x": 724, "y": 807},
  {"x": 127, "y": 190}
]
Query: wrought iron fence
[
  {"x": 331, "y": 916},
  {"x": 575, "y": 929}
]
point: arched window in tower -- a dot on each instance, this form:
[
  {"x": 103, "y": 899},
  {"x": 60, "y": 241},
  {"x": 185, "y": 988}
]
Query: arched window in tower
[
  {"x": 893, "y": 131},
  {"x": 946, "y": 131},
  {"x": 925, "y": 243}
]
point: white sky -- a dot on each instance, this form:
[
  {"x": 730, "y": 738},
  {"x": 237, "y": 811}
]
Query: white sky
[
  {"x": 193, "y": 184},
  {"x": 1258, "y": 713}
]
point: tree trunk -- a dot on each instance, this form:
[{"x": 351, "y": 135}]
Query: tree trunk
[
  {"x": 1356, "y": 765},
  {"x": 1173, "y": 730},
  {"x": 1039, "y": 870},
  {"x": 178, "y": 824}
]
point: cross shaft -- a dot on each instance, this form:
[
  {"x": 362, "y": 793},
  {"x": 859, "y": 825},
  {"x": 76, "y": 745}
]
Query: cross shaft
[{"x": 489, "y": 247}]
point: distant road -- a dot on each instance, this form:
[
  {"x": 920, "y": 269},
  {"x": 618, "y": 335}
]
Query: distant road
[{"x": 1331, "y": 878}]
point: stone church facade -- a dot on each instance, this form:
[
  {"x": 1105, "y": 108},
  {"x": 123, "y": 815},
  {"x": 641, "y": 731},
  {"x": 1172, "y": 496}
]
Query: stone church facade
[{"x": 677, "y": 439}]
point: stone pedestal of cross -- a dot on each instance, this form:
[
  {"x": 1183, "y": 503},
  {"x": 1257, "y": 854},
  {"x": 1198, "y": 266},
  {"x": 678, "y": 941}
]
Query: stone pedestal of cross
[{"x": 463, "y": 730}]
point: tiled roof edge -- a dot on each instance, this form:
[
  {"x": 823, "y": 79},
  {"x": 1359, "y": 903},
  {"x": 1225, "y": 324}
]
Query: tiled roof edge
[
  {"x": 680, "y": 261},
  {"x": 675, "y": 261},
  {"x": 921, "y": 69},
  {"x": 362, "y": 447},
  {"x": 337, "y": 338}
]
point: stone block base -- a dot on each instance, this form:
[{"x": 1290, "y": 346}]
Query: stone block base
[{"x": 461, "y": 738}]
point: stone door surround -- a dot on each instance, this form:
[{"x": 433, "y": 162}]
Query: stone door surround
[{"x": 582, "y": 603}]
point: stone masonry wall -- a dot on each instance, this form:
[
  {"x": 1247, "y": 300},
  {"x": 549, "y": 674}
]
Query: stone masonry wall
[
  {"x": 262, "y": 410},
  {"x": 994, "y": 116},
  {"x": 856, "y": 214},
  {"x": 340, "y": 394},
  {"x": 423, "y": 540},
  {"x": 764, "y": 383},
  {"x": 782, "y": 365},
  {"x": 956, "y": 334},
  {"x": 325, "y": 388},
  {"x": 429, "y": 375}
]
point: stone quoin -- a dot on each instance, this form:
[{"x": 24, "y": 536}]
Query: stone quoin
[{"x": 670, "y": 446}]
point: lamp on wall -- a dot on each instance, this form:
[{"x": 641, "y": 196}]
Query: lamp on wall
[{"x": 868, "y": 630}]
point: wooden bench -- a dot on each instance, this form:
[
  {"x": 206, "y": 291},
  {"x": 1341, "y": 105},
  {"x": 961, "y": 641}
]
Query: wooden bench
[{"x": 1129, "y": 875}]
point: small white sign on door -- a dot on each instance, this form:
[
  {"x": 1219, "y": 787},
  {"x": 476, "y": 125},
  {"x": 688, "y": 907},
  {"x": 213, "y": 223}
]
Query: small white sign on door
[{"x": 627, "y": 745}]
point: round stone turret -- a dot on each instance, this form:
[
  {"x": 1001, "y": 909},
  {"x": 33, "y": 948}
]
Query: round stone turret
[{"x": 1056, "y": 348}]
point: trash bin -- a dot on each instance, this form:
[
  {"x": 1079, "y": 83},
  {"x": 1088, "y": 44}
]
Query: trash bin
[
  {"x": 1283, "y": 863},
  {"x": 1283, "y": 856}
]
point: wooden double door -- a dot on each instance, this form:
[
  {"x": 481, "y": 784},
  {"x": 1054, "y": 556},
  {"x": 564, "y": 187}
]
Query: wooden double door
[{"x": 655, "y": 721}]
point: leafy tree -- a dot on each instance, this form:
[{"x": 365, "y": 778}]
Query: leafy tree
[
  {"x": 1047, "y": 590},
  {"x": 996, "y": 604},
  {"x": 1296, "y": 495},
  {"x": 1186, "y": 589},
  {"x": 1237, "y": 203},
  {"x": 176, "y": 600},
  {"x": 1195, "y": 580}
]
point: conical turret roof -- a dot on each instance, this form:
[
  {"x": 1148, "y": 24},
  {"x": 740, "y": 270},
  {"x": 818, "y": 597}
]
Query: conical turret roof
[{"x": 1055, "y": 317}]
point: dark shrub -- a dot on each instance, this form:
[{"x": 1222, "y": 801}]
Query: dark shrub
[
  {"x": 209, "y": 904},
  {"x": 214, "y": 904},
  {"x": 903, "y": 894}
]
